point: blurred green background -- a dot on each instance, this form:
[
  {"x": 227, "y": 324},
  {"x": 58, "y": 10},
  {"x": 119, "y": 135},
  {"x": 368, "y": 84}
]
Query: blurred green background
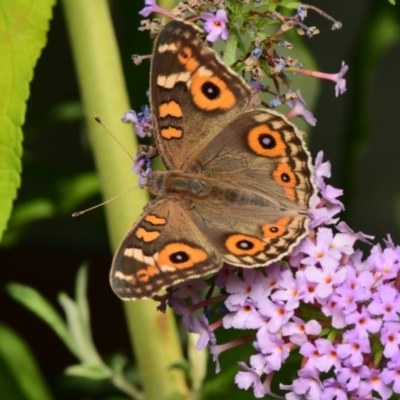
[{"x": 359, "y": 133}]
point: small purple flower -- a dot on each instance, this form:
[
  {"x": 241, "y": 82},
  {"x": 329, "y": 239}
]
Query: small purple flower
[
  {"x": 201, "y": 326},
  {"x": 275, "y": 103},
  {"x": 256, "y": 53},
  {"x": 215, "y": 25},
  {"x": 354, "y": 347},
  {"x": 274, "y": 349},
  {"x": 250, "y": 287},
  {"x": 308, "y": 386},
  {"x": 309, "y": 350},
  {"x": 333, "y": 390},
  {"x": 142, "y": 166},
  {"x": 330, "y": 193},
  {"x": 331, "y": 309},
  {"x": 306, "y": 287},
  {"x": 385, "y": 302},
  {"x": 244, "y": 316},
  {"x": 340, "y": 86},
  {"x": 289, "y": 291},
  {"x": 390, "y": 338},
  {"x": 190, "y": 289},
  {"x": 302, "y": 13},
  {"x": 298, "y": 330},
  {"x": 352, "y": 375},
  {"x": 344, "y": 228},
  {"x": 256, "y": 85},
  {"x": 276, "y": 313},
  {"x": 325, "y": 278},
  {"x": 387, "y": 262},
  {"x": 298, "y": 107},
  {"x": 328, "y": 356},
  {"x": 250, "y": 377},
  {"x": 223, "y": 275},
  {"x": 321, "y": 169},
  {"x": 374, "y": 383},
  {"x": 321, "y": 252},
  {"x": 392, "y": 373},
  {"x": 323, "y": 215},
  {"x": 364, "y": 322},
  {"x": 141, "y": 121},
  {"x": 152, "y": 7}
]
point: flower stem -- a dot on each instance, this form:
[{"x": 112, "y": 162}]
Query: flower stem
[{"x": 153, "y": 335}]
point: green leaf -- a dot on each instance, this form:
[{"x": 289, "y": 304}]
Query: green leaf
[
  {"x": 36, "y": 303},
  {"x": 23, "y": 28},
  {"x": 20, "y": 378},
  {"x": 291, "y": 5},
  {"x": 91, "y": 371},
  {"x": 78, "y": 322}
]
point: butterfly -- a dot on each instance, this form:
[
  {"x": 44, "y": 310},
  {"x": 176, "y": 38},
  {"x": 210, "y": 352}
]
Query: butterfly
[{"x": 238, "y": 182}]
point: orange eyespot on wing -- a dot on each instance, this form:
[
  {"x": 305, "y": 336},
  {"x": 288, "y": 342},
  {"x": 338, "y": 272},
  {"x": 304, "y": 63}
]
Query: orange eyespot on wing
[
  {"x": 284, "y": 176},
  {"x": 277, "y": 229},
  {"x": 185, "y": 57},
  {"x": 241, "y": 245},
  {"x": 266, "y": 142},
  {"x": 211, "y": 93},
  {"x": 180, "y": 256}
]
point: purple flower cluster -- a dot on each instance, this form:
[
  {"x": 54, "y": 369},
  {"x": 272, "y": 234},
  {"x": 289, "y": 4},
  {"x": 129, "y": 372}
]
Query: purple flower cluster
[{"x": 338, "y": 307}]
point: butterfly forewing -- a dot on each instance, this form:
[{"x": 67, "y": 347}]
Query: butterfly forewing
[{"x": 193, "y": 95}]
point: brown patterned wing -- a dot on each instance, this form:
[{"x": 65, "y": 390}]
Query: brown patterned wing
[
  {"x": 263, "y": 153},
  {"x": 161, "y": 249},
  {"x": 248, "y": 235},
  {"x": 193, "y": 94}
]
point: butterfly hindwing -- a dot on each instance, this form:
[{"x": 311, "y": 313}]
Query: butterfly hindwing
[
  {"x": 250, "y": 236},
  {"x": 262, "y": 152},
  {"x": 164, "y": 247}
]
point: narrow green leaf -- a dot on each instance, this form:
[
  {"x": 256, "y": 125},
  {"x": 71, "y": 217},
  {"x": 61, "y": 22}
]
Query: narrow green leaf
[
  {"x": 23, "y": 28},
  {"x": 77, "y": 332},
  {"x": 91, "y": 371},
  {"x": 81, "y": 297},
  {"x": 20, "y": 377},
  {"x": 36, "y": 303}
]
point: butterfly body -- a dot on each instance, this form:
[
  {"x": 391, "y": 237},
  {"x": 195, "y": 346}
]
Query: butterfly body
[
  {"x": 238, "y": 183},
  {"x": 193, "y": 189}
]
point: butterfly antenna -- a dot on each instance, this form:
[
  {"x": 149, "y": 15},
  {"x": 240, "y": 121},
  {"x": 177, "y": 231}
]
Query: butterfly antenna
[
  {"x": 78, "y": 213},
  {"x": 99, "y": 121}
]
